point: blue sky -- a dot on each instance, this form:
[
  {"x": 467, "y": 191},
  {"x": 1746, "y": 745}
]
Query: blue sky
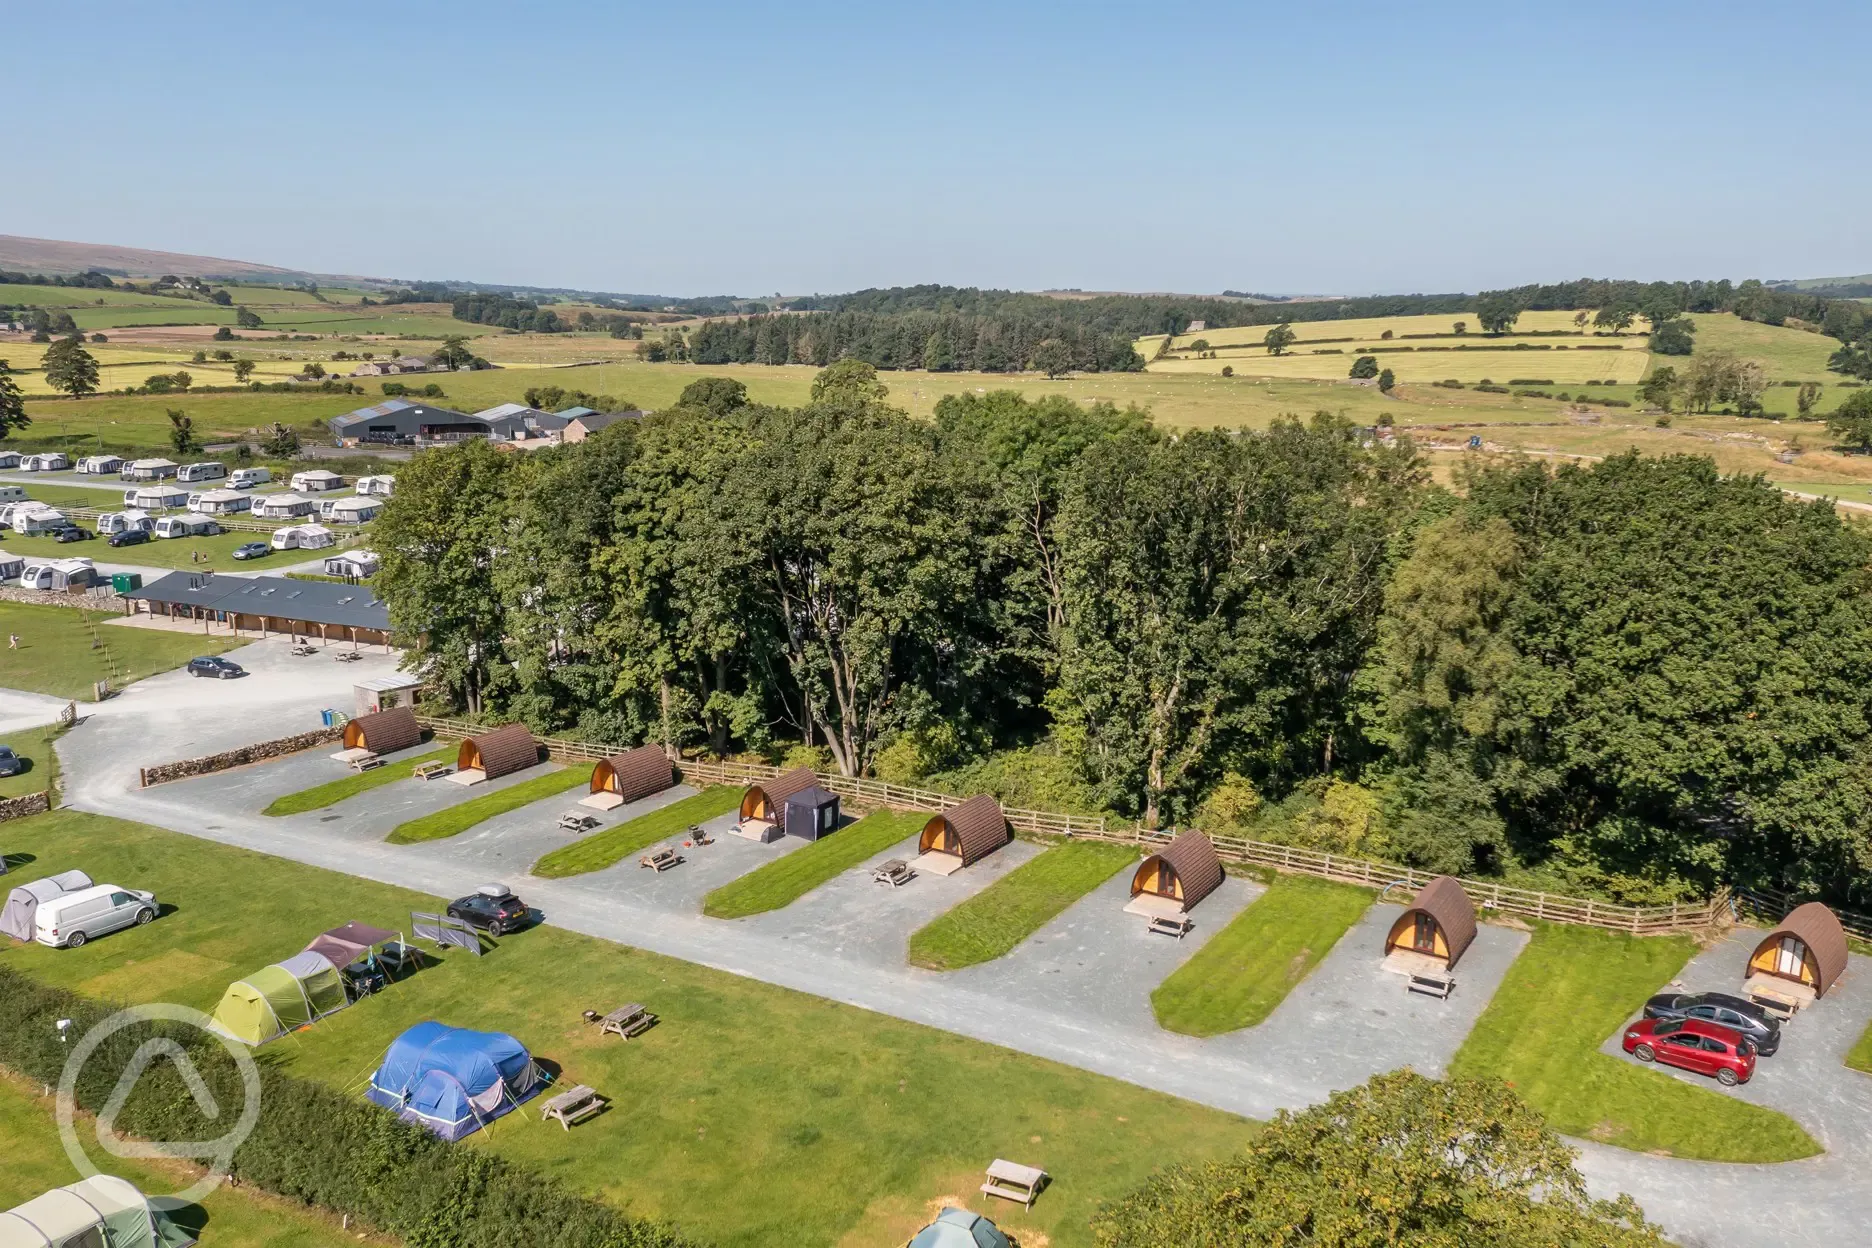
[{"x": 748, "y": 149}]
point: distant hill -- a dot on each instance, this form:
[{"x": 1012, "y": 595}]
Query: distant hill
[
  {"x": 45, "y": 255},
  {"x": 1856, "y": 287}
]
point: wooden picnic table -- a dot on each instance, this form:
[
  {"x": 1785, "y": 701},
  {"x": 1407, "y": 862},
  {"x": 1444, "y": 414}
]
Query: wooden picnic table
[
  {"x": 366, "y": 762},
  {"x": 1012, "y": 1181},
  {"x": 894, "y": 872},
  {"x": 572, "y": 821},
  {"x": 303, "y": 648},
  {"x": 572, "y": 1105},
  {"x": 662, "y": 860},
  {"x": 348, "y": 656},
  {"x": 429, "y": 771},
  {"x": 1169, "y": 925},
  {"x": 627, "y": 1021}
]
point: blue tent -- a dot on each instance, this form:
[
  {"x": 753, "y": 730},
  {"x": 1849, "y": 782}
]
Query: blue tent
[
  {"x": 958, "y": 1228},
  {"x": 452, "y": 1080}
]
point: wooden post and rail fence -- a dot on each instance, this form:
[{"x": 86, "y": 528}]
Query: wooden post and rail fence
[{"x": 1489, "y": 895}]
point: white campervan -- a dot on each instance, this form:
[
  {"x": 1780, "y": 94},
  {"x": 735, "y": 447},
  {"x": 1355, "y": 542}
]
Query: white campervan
[
  {"x": 211, "y": 470},
  {"x": 247, "y": 478},
  {"x": 190, "y": 525},
  {"x": 68, "y": 921}
]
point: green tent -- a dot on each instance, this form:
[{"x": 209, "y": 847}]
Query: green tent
[
  {"x": 269, "y": 1003},
  {"x": 101, "y": 1210}
]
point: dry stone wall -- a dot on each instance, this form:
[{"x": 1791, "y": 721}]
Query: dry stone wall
[
  {"x": 162, "y": 773},
  {"x": 20, "y": 807}
]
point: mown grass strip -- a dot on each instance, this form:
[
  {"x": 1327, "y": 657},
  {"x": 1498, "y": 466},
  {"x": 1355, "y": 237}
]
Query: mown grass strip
[
  {"x": 458, "y": 819},
  {"x": 785, "y": 880},
  {"x": 1251, "y": 965},
  {"x": 614, "y": 845},
  {"x": 1860, "y": 1056},
  {"x": 1570, "y": 989},
  {"x": 991, "y": 923},
  {"x": 332, "y": 792}
]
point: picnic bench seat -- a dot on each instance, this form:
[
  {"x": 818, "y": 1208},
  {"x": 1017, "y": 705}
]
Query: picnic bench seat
[
  {"x": 627, "y": 1022},
  {"x": 1012, "y": 1181},
  {"x": 1774, "y": 1004},
  {"x": 1169, "y": 925},
  {"x": 348, "y": 656},
  {"x": 662, "y": 860},
  {"x": 366, "y": 763},
  {"x": 894, "y": 872},
  {"x": 573, "y": 821},
  {"x": 429, "y": 771},
  {"x": 1431, "y": 984},
  {"x": 303, "y": 648},
  {"x": 572, "y": 1105}
]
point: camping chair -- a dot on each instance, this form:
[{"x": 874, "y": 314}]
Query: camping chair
[{"x": 699, "y": 837}]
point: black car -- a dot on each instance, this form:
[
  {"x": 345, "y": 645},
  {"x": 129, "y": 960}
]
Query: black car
[
  {"x": 10, "y": 763},
  {"x": 74, "y": 534},
  {"x": 130, "y": 537},
  {"x": 1719, "y": 1007},
  {"x": 252, "y": 550},
  {"x": 492, "y": 908},
  {"x": 210, "y": 665}
]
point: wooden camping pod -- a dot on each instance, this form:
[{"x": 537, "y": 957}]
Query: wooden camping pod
[
  {"x": 505, "y": 750},
  {"x": 971, "y": 830},
  {"x": 633, "y": 774},
  {"x": 1809, "y": 948},
  {"x": 384, "y": 731},
  {"x": 767, "y": 798},
  {"x": 1439, "y": 923},
  {"x": 1185, "y": 870}
]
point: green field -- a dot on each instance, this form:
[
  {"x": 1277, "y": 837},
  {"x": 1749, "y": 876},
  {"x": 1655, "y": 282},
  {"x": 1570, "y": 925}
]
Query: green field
[
  {"x": 1787, "y": 353},
  {"x": 785, "y": 880},
  {"x": 1251, "y": 965},
  {"x": 35, "y": 746},
  {"x": 215, "y": 552},
  {"x": 319, "y": 796},
  {"x": 231, "y": 1218},
  {"x": 614, "y": 844},
  {"x": 750, "y": 1116},
  {"x": 458, "y": 819},
  {"x": 1860, "y": 1056},
  {"x": 56, "y": 652},
  {"x": 993, "y": 922},
  {"x": 1570, "y": 989}
]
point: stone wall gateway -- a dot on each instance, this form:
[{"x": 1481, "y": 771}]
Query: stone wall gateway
[
  {"x": 162, "y": 773},
  {"x": 21, "y": 807}
]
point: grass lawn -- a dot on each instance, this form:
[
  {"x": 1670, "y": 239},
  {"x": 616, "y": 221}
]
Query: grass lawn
[
  {"x": 35, "y": 746},
  {"x": 231, "y": 1217},
  {"x": 785, "y": 880},
  {"x": 1251, "y": 965},
  {"x": 332, "y": 792},
  {"x": 1570, "y": 989},
  {"x": 751, "y": 1116},
  {"x": 458, "y": 819},
  {"x": 216, "y": 552},
  {"x": 993, "y": 921},
  {"x": 1860, "y": 1057},
  {"x": 56, "y": 654},
  {"x": 615, "y": 844}
]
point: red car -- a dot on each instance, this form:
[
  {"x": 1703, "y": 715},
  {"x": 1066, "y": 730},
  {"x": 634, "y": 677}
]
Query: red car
[{"x": 1706, "y": 1048}]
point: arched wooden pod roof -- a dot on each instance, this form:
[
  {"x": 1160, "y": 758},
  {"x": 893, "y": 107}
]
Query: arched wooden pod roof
[
  {"x": 384, "y": 731},
  {"x": 1191, "y": 858},
  {"x": 1819, "y": 929},
  {"x": 1444, "y": 900},
  {"x": 977, "y": 825},
  {"x": 770, "y": 795},
  {"x": 505, "y": 750},
  {"x": 634, "y": 773}
]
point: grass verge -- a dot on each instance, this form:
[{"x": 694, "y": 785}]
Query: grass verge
[
  {"x": 750, "y": 1116},
  {"x": 63, "y": 651},
  {"x": 42, "y": 772},
  {"x": 1251, "y": 965},
  {"x": 785, "y": 880},
  {"x": 992, "y": 922},
  {"x": 1860, "y": 1055},
  {"x": 615, "y": 844},
  {"x": 332, "y": 792},
  {"x": 1570, "y": 989},
  {"x": 458, "y": 819}
]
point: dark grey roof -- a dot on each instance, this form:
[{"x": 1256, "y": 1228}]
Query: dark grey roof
[
  {"x": 315, "y": 602},
  {"x": 391, "y": 407},
  {"x": 598, "y": 420}
]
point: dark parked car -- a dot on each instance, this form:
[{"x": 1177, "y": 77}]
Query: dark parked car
[
  {"x": 130, "y": 537},
  {"x": 1719, "y": 1007},
  {"x": 252, "y": 550},
  {"x": 11, "y": 764},
  {"x": 1692, "y": 1044},
  {"x": 493, "y": 908},
  {"x": 211, "y": 665},
  {"x": 74, "y": 534}
]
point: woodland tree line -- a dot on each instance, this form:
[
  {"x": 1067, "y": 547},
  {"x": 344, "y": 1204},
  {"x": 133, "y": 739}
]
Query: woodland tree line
[
  {"x": 938, "y": 341},
  {"x": 1639, "y": 678}
]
